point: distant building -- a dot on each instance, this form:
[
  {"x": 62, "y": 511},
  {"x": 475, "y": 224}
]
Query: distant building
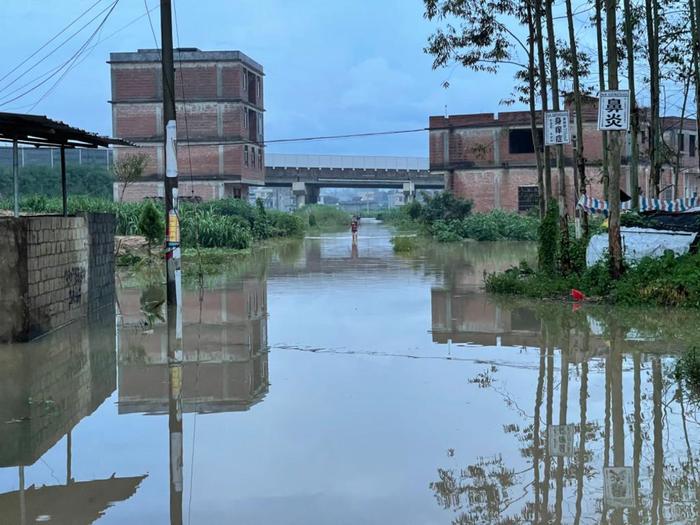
[
  {"x": 220, "y": 108},
  {"x": 490, "y": 159}
]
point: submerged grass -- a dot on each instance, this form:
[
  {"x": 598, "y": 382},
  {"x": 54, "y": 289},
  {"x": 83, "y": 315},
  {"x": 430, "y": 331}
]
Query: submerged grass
[{"x": 404, "y": 244}]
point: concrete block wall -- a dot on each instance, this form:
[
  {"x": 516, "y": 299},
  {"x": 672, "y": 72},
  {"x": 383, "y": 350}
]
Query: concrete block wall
[
  {"x": 100, "y": 279},
  {"x": 48, "y": 265}
]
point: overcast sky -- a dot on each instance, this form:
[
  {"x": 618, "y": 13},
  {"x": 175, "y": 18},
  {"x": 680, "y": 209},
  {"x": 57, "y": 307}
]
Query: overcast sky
[{"x": 332, "y": 66}]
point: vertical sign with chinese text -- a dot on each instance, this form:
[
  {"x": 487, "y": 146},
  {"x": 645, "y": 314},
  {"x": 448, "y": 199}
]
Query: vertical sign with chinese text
[
  {"x": 614, "y": 110},
  {"x": 556, "y": 128}
]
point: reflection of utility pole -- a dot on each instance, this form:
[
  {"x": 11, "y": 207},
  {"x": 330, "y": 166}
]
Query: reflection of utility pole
[
  {"x": 637, "y": 446},
  {"x": 22, "y": 501},
  {"x": 69, "y": 458},
  {"x": 175, "y": 433}
]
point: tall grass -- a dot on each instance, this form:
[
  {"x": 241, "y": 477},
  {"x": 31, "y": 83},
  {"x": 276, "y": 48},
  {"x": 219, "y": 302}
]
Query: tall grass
[
  {"x": 324, "y": 217},
  {"x": 228, "y": 223}
]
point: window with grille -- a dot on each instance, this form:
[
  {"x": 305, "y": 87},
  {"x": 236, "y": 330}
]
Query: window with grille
[
  {"x": 245, "y": 156},
  {"x": 528, "y": 197}
]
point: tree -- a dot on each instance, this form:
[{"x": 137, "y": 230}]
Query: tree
[
  {"x": 128, "y": 169},
  {"x": 614, "y": 238},
  {"x": 151, "y": 224}
]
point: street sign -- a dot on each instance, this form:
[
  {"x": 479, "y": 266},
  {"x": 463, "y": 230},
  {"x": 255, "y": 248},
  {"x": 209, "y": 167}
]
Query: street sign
[
  {"x": 619, "y": 487},
  {"x": 556, "y": 128},
  {"x": 561, "y": 440},
  {"x": 614, "y": 110}
]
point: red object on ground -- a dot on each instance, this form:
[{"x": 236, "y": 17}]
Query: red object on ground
[{"x": 577, "y": 295}]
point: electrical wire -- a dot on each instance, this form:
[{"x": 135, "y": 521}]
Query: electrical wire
[
  {"x": 66, "y": 66},
  {"x": 49, "y": 41},
  {"x": 349, "y": 135},
  {"x": 76, "y": 56},
  {"x": 54, "y": 50}
]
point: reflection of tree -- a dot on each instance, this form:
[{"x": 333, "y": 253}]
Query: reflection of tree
[
  {"x": 631, "y": 359},
  {"x": 480, "y": 493}
]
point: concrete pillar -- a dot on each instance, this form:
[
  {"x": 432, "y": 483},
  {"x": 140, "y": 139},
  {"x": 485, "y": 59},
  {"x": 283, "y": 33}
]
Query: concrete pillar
[
  {"x": 313, "y": 194},
  {"x": 409, "y": 192},
  {"x": 299, "y": 192}
]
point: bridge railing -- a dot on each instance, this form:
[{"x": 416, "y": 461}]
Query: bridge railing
[{"x": 282, "y": 160}]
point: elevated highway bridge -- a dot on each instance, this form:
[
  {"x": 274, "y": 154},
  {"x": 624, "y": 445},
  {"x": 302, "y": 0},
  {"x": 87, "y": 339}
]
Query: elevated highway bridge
[{"x": 307, "y": 174}]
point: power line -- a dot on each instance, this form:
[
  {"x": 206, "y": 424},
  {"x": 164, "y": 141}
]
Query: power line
[
  {"x": 150, "y": 23},
  {"x": 49, "y": 41},
  {"x": 73, "y": 60},
  {"x": 59, "y": 46},
  {"x": 349, "y": 135}
]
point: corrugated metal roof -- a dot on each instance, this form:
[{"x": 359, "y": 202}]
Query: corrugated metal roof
[{"x": 39, "y": 130}]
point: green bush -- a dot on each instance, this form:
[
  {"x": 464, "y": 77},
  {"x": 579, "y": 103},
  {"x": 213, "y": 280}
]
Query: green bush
[
  {"x": 668, "y": 281},
  {"x": 444, "y": 206},
  {"x": 151, "y": 224},
  {"x": 403, "y": 244},
  {"x": 324, "y": 217},
  {"x": 206, "y": 229},
  {"x": 547, "y": 249},
  {"x": 285, "y": 224}
]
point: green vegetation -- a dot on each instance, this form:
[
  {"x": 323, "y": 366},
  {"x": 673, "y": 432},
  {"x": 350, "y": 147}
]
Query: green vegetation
[
  {"x": 324, "y": 218},
  {"x": 665, "y": 281},
  {"x": 151, "y": 224},
  {"x": 92, "y": 180},
  {"x": 228, "y": 223},
  {"x": 447, "y": 218},
  {"x": 404, "y": 244}
]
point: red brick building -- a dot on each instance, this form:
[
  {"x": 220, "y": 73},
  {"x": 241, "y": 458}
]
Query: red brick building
[
  {"x": 490, "y": 158},
  {"x": 220, "y": 107}
]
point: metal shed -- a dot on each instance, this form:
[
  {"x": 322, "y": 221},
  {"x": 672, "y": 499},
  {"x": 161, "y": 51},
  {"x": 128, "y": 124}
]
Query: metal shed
[{"x": 38, "y": 131}]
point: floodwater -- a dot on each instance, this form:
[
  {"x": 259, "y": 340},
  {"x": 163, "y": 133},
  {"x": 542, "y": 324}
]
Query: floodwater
[{"x": 329, "y": 384}]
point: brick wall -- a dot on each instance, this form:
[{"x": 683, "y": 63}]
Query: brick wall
[
  {"x": 48, "y": 270},
  {"x": 220, "y": 90}
]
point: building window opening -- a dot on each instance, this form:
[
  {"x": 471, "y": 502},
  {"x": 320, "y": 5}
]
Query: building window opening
[
  {"x": 681, "y": 142},
  {"x": 691, "y": 145},
  {"x": 245, "y": 156},
  {"x": 260, "y": 159},
  {"x": 520, "y": 141},
  {"x": 245, "y": 79},
  {"x": 252, "y": 156},
  {"x": 528, "y": 198},
  {"x": 245, "y": 118}
]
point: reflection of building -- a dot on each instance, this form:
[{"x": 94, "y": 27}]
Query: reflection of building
[
  {"x": 225, "y": 354},
  {"x": 47, "y": 387},
  {"x": 470, "y": 317}
]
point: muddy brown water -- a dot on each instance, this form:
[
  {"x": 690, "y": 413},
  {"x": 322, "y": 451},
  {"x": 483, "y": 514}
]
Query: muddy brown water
[{"x": 325, "y": 383}]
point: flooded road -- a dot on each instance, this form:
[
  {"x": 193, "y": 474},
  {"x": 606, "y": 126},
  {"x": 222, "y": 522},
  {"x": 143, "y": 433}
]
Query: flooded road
[{"x": 329, "y": 384}]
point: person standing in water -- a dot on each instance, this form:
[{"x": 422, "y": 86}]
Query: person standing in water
[{"x": 354, "y": 226}]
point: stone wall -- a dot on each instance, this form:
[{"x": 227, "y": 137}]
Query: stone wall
[{"x": 46, "y": 263}]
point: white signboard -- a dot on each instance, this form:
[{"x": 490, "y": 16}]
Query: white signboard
[
  {"x": 561, "y": 440},
  {"x": 619, "y": 487},
  {"x": 614, "y": 111},
  {"x": 557, "y": 128}
]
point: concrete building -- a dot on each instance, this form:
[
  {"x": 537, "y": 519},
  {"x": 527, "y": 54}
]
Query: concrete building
[
  {"x": 490, "y": 158},
  {"x": 220, "y": 130}
]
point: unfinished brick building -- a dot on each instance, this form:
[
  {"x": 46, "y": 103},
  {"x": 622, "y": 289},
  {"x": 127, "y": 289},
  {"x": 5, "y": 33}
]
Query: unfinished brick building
[
  {"x": 219, "y": 99},
  {"x": 490, "y": 158}
]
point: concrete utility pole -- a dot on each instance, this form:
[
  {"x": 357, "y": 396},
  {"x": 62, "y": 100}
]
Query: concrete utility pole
[
  {"x": 170, "y": 182},
  {"x": 172, "y": 263}
]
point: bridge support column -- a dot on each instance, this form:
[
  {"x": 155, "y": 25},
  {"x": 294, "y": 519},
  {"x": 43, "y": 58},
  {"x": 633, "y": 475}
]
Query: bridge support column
[
  {"x": 305, "y": 193},
  {"x": 409, "y": 192}
]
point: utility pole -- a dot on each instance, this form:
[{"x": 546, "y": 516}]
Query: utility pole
[
  {"x": 172, "y": 264},
  {"x": 170, "y": 182}
]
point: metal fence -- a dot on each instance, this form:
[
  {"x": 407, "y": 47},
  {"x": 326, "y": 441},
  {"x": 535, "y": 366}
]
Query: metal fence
[
  {"x": 280, "y": 160},
  {"x": 51, "y": 157}
]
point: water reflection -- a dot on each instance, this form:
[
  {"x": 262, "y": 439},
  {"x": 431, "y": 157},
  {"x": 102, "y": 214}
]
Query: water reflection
[
  {"x": 46, "y": 388},
  {"x": 224, "y": 366},
  {"x": 629, "y": 456}
]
